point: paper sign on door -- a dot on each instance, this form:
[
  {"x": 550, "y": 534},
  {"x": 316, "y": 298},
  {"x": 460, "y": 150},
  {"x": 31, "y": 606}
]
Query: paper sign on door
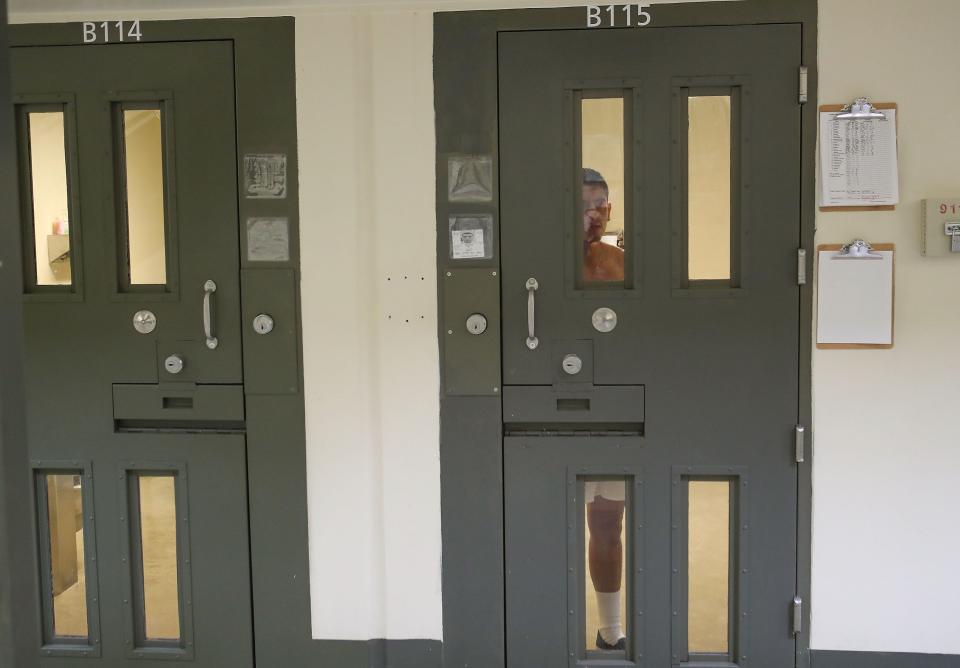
[{"x": 467, "y": 244}]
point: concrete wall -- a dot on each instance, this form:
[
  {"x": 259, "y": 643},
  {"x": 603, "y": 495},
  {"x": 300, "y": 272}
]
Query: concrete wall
[{"x": 886, "y": 466}]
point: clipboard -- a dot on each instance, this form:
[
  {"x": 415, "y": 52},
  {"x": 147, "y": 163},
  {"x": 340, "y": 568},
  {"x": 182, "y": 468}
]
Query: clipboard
[
  {"x": 834, "y": 108},
  {"x": 869, "y": 296}
]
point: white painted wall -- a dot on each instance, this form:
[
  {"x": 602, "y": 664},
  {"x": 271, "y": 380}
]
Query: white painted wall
[
  {"x": 887, "y": 463},
  {"x": 365, "y": 108}
]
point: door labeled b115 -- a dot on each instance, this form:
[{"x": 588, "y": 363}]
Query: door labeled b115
[{"x": 650, "y": 220}]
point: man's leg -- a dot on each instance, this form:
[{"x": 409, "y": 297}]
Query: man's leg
[{"x": 605, "y": 520}]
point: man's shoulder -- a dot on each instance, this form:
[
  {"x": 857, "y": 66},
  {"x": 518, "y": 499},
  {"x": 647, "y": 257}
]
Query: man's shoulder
[{"x": 611, "y": 251}]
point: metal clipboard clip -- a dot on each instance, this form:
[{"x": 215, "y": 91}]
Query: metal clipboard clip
[
  {"x": 857, "y": 250},
  {"x": 860, "y": 110}
]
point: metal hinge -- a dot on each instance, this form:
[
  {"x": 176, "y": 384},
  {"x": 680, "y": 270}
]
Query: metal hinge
[
  {"x": 797, "y": 615},
  {"x": 803, "y": 89},
  {"x": 798, "y": 451},
  {"x": 801, "y": 266}
]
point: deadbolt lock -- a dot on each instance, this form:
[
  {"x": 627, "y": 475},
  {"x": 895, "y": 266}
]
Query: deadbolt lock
[
  {"x": 604, "y": 320},
  {"x": 144, "y": 321},
  {"x": 572, "y": 364},
  {"x": 263, "y": 324},
  {"x": 173, "y": 364},
  {"x": 477, "y": 324}
]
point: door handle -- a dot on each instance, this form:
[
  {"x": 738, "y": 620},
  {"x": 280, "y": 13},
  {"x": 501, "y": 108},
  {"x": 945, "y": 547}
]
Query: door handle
[
  {"x": 532, "y": 340},
  {"x": 208, "y": 289}
]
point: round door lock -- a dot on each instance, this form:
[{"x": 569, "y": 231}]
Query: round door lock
[
  {"x": 144, "y": 321},
  {"x": 173, "y": 364},
  {"x": 604, "y": 319},
  {"x": 263, "y": 324},
  {"x": 477, "y": 324},
  {"x": 572, "y": 364}
]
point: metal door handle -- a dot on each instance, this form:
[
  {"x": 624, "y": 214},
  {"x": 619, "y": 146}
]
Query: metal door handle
[
  {"x": 532, "y": 340},
  {"x": 208, "y": 289}
]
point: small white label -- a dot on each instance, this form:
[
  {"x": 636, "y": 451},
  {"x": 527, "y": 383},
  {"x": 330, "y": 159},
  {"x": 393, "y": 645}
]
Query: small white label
[
  {"x": 466, "y": 244},
  {"x": 265, "y": 175},
  {"x": 268, "y": 239}
]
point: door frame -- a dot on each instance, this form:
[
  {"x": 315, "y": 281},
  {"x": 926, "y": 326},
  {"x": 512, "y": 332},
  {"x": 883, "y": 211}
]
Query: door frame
[
  {"x": 266, "y": 123},
  {"x": 471, "y": 412},
  {"x": 19, "y": 637}
]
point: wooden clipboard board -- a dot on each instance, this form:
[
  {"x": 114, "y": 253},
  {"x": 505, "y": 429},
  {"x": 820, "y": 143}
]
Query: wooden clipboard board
[
  {"x": 893, "y": 296},
  {"x": 834, "y": 108}
]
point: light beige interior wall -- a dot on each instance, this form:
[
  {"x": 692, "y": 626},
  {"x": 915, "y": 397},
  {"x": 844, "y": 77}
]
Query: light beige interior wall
[
  {"x": 887, "y": 464},
  {"x": 368, "y": 238},
  {"x": 49, "y": 181},
  {"x": 708, "y": 216},
  {"x": 708, "y": 556},
  {"x": 145, "y": 205}
]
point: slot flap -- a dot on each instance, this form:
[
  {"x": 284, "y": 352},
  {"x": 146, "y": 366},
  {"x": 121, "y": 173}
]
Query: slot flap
[
  {"x": 597, "y": 404},
  {"x": 178, "y": 403}
]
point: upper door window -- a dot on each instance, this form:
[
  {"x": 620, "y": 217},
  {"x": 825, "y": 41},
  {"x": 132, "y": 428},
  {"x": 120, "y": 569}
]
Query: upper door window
[
  {"x": 601, "y": 197},
  {"x": 709, "y": 187},
  {"x": 44, "y": 170},
  {"x": 142, "y": 200}
]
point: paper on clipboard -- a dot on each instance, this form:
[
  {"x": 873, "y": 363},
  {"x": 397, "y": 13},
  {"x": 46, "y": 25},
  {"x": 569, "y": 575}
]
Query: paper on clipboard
[
  {"x": 855, "y": 300},
  {"x": 858, "y": 161}
]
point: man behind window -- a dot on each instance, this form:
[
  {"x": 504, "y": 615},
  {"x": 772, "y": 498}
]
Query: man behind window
[{"x": 601, "y": 261}]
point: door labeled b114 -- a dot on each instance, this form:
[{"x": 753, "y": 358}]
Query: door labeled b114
[{"x": 128, "y": 177}]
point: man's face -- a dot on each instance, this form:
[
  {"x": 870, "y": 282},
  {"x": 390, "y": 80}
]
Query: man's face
[{"x": 596, "y": 212}]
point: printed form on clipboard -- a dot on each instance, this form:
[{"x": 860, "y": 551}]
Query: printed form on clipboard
[{"x": 859, "y": 156}]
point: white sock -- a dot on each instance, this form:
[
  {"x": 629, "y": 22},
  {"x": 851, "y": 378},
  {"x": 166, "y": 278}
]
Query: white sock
[{"x": 608, "y": 611}]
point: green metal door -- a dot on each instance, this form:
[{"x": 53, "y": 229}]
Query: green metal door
[
  {"x": 128, "y": 174},
  {"x": 650, "y": 221}
]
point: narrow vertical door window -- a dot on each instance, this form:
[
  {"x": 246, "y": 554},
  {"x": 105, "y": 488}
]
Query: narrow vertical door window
[
  {"x": 605, "y": 556},
  {"x": 708, "y": 560},
  {"x": 709, "y": 187},
  {"x": 144, "y": 253},
  {"x": 63, "y": 557},
  {"x": 602, "y": 190},
  {"x": 156, "y": 542},
  {"x": 49, "y": 199}
]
